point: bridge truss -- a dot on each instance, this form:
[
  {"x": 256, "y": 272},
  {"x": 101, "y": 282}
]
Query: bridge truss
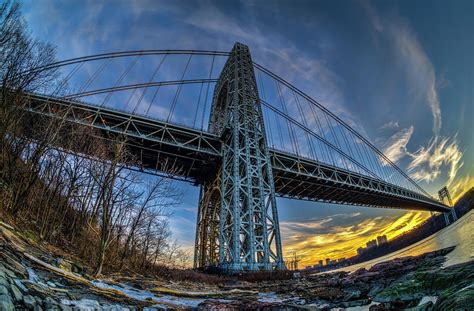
[{"x": 242, "y": 133}]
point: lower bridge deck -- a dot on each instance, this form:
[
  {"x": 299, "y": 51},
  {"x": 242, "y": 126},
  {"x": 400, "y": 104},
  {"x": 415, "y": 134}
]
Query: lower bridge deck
[{"x": 194, "y": 155}]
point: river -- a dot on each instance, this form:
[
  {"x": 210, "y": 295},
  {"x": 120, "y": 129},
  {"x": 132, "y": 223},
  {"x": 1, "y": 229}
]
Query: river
[{"x": 459, "y": 234}]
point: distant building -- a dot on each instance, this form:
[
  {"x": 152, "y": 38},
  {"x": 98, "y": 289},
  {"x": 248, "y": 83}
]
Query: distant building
[
  {"x": 361, "y": 250},
  {"x": 381, "y": 239},
  {"x": 371, "y": 243},
  {"x": 341, "y": 260},
  {"x": 320, "y": 263},
  {"x": 328, "y": 261},
  {"x": 333, "y": 262}
]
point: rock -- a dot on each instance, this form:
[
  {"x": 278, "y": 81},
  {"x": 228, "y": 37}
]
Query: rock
[
  {"x": 29, "y": 301},
  {"x": 375, "y": 288},
  {"x": 409, "y": 290},
  {"x": 9, "y": 273},
  {"x": 3, "y": 281},
  {"x": 355, "y": 303},
  {"x": 77, "y": 268},
  {"x": 17, "y": 295},
  {"x": 244, "y": 305},
  {"x": 50, "y": 304},
  {"x": 378, "y": 307},
  {"x": 3, "y": 290},
  {"x": 6, "y": 304},
  {"x": 13, "y": 264},
  {"x": 428, "y": 306},
  {"x": 63, "y": 264},
  {"x": 458, "y": 300},
  {"x": 323, "y": 292},
  {"x": 65, "y": 307},
  {"x": 20, "y": 285},
  {"x": 351, "y": 294}
]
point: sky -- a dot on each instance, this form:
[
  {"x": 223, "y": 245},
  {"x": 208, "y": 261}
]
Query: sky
[{"x": 401, "y": 71}]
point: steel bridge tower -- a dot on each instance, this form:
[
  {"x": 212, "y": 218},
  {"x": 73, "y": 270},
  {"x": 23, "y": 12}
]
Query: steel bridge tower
[{"x": 237, "y": 226}]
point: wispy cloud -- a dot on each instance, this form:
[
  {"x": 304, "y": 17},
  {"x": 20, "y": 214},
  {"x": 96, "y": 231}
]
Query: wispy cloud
[
  {"x": 279, "y": 54},
  {"x": 426, "y": 162},
  {"x": 462, "y": 185},
  {"x": 396, "y": 146},
  {"x": 420, "y": 70},
  {"x": 390, "y": 125}
]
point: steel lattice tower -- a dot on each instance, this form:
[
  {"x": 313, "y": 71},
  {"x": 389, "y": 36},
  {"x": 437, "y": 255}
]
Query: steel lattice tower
[{"x": 237, "y": 226}]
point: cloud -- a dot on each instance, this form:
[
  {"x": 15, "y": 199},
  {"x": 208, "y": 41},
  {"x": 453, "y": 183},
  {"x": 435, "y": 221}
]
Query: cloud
[
  {"x": 412, "y": 58},
  {"x": 390, "y": 125},
  {"x": 280, "y": 55},
  {"x": 373, "y": 15},
  {"x": 426, "y": 163},
  {"x": 396, "y": 146},
  {"x": 461, "y": 186},
  {"x": 420, "y": 70},
  {"x": 340, "y": 235}
]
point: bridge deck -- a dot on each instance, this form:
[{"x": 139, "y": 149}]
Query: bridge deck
[{"x": 193, "y": 155}]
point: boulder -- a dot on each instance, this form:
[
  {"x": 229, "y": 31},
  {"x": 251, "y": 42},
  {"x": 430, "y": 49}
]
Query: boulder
[
  {"x": 351, "y": 294},
  {"x": 16, "y": 294},
  {"x": 65, "y": 307},
  {"x": 355, "y": 303},
  {"x": 458, "y": 300},
  {"x": 375, "y": 288},
  {"x": 428, "y": 306},
  {"x": 6, "y": 304},
  {"x": 3, "y": 290},
  {"x": 378, "y": 307},
  {"x": 29, "y": 301}
]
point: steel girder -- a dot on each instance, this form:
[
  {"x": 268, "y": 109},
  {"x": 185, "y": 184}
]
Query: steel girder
[
  {"x": 305, "y": 179},
  {"x": 249, "y": 233},
  {"x": 186, "y": 153}
]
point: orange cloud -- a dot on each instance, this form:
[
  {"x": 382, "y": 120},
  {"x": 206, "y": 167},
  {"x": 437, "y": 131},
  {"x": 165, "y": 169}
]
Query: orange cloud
[
  {"x": 458, "y": 188},
  {"x": 321, "y": 239}
]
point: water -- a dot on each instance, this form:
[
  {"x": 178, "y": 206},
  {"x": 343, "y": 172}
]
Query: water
[{"x": 459, "y": 234}]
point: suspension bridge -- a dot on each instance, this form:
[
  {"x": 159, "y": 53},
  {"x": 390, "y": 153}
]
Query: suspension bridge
[{"x": 239, "y": 131}]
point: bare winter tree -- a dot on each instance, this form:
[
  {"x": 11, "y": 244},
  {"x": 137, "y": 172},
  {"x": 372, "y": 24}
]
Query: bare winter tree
[{"x": 73, "y": 182}]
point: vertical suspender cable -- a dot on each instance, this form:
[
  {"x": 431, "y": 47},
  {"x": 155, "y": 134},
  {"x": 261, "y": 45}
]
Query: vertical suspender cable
[
  {"x": 204, "y": 108},
  {"x": 120, "y": 79},
  {"x": 178, "y": 91},
  {"x": 149, "y": 81}
]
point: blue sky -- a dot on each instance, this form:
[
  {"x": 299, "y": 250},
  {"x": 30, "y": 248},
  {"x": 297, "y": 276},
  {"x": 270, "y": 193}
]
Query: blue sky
[{"x": 400, "y": 71}]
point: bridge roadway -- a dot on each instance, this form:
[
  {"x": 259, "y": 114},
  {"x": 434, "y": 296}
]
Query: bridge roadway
[{"x": 193, "y": 155}]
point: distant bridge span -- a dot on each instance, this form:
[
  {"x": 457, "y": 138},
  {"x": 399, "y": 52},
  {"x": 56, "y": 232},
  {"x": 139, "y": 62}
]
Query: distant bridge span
[{"x": 258, "y": 144}]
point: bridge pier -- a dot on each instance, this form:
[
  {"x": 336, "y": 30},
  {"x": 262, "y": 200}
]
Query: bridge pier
[{"x": 237, "y": 226}]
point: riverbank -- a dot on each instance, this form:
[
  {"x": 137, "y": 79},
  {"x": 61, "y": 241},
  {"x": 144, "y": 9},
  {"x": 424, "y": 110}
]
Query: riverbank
[{"x": 32, "y": 278}]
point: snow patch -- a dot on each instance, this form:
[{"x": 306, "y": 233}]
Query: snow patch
[
  {"x": 34, "y": 278},
  {"x": 426, "y": 299},
  {"x": 144, "y": 295},
  {"x": 269, "y": 297},
  {"x": 92, "y": 305}
]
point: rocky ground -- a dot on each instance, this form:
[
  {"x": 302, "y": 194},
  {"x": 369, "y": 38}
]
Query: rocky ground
[{"x": 31, "y": 278}]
